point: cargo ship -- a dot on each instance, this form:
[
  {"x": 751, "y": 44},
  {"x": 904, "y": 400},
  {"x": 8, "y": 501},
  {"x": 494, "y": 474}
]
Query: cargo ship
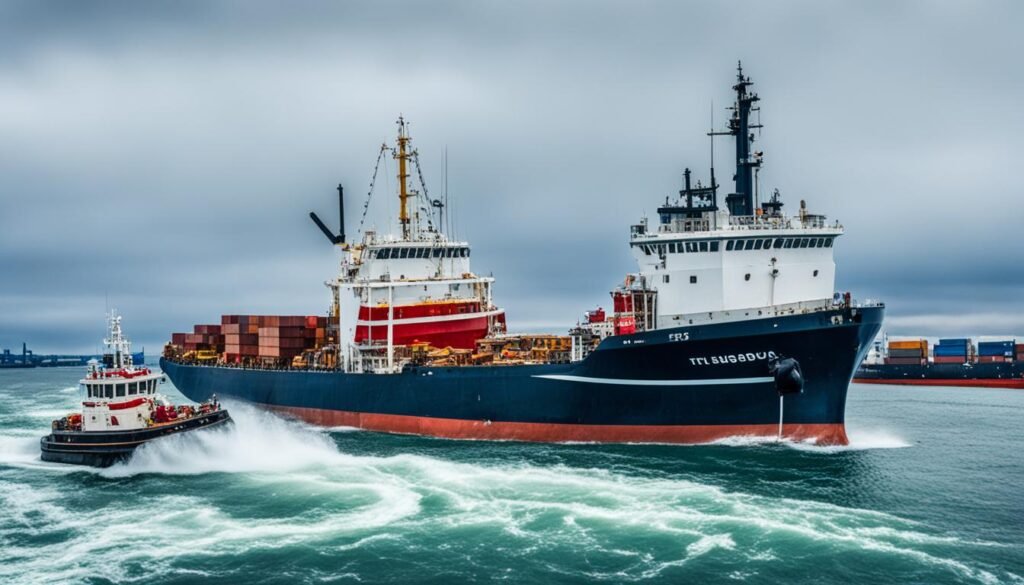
[
  {"x": 953, "y": 362},
  {"x": 730, "y": 326}
]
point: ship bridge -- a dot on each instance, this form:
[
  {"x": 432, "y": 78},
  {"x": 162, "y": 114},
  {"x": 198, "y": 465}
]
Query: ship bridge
[{"x": 701, "y": 261}]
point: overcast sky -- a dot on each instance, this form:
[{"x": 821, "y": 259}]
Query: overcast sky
[{"x": 162, "y": 157}]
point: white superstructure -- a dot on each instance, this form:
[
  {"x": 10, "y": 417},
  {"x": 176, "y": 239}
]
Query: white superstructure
[{"x": 119, "y": 395}]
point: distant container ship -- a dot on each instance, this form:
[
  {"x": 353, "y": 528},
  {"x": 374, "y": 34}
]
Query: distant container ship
[{"x": 953, "y": 362}]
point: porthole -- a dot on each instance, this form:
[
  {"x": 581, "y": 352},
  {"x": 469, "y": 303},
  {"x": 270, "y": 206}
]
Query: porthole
[
  {"x": 815, "y": 273},
  {"x": 747, "y": 276}
]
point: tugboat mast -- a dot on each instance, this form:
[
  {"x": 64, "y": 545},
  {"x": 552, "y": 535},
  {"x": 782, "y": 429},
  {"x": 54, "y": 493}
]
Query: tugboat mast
[{"x": 742, "y": 201}]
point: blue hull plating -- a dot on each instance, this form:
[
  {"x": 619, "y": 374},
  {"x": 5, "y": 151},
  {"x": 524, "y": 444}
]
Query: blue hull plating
[{"x": 701, "y": 375}]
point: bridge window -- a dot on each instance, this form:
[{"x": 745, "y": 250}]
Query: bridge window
[
  {"x": 108, "y": 391},
  {"x": 749, "y": 245},
  {"x": 133, "y": 388},
  {"x": 728, "y": 246},
  {"x": 758, "y": 244},
  {"x": 672, "y": 248},
  {"x": 714, "y": 246},
  {"x": 120, "y": 390},
  {"x": 803, "y": 242},
  {"x": 828, "y": 242},
  {"x": 777, "y": 244},
  {"x": 788, "y": 243},
  {"x": 703, "y": 246}
]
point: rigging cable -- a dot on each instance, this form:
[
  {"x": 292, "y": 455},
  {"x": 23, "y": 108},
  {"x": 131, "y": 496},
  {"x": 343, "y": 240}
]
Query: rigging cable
[{"x": 373, "y": 181}]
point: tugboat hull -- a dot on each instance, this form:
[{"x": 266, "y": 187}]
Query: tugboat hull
[{"x": 105, "y": 448}]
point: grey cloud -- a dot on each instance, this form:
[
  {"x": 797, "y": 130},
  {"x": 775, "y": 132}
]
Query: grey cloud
[{"x": 164, "y": 155}]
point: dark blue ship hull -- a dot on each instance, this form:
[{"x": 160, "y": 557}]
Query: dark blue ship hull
[{"x": 681, "y": 385}]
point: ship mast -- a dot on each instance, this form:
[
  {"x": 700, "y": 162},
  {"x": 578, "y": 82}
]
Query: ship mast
[
  {"x": 742, "y": 201},
  {"x": 402, "y": 155}
]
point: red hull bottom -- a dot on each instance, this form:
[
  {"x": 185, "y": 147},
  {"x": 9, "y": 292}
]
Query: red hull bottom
[
  {"x": 982, "y": 383},
  {"x": 822, "y": 434}
]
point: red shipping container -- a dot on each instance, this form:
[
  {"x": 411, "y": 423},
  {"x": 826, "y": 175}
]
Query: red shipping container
[
  {"x": 178, "y": 338},
  {"x": 230, "y": 328},
  {"x": 229, "y": 319},
  {"x": 279, "y": 352},
  {"x": 943, "y": 359},
  {"x": 992, "y": 359},
  {"x": 207, "y": 329},
  {"x": 249, "y": 350}
]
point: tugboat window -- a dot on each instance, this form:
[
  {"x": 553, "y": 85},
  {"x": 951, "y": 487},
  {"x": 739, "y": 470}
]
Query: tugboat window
[
  {"x": 120, "y": 390},
  {"x": 109, "y": 391},
  {"x": 133, "y": 388}
]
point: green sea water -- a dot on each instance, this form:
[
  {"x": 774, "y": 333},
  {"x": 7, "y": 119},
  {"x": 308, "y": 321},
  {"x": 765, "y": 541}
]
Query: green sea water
[{"x": 930, "y": 491}]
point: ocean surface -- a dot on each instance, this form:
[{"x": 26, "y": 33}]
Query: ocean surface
[{"x": 930, "y": 491}]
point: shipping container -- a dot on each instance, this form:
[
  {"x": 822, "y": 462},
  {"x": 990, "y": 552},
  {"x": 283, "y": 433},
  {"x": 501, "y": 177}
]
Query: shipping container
[
  {"x": 990, "y": 359},
  {"x": 290, "y": 342},
  {"x": 957, "y": 341},
  {"x": 904, "y": 361},
  {"x": 268, "y": 332},
  {"x": 950, "y": 359},
  {"x": 918, "y": 344},
  {"x": 996, "y": 348},
  {"x": 1020, "y": 350},
  {"x": 207, "y": 329},
  {"x": 178, "y": 338},
  {"x": 279, "y": 352},
  {"x": 951, "y": 351},
  {"x": 916, "y": 352}
]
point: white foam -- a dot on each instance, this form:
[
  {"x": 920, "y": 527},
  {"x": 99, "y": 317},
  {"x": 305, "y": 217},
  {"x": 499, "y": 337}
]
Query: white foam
[{"x": 256, "y": 441}]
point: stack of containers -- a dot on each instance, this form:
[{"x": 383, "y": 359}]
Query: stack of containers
[
  {"x": 284, "y": 336},
  {"x": 203, "y": 337},
  {"x": 995, "y": 351},
  {"x": 241, "y": 337},
  {"x": 953, "y": 351},
  {"x": 1019, "y": 352},
  {"x": 908, "y": 352},
  {"x": 266, "y": 336}
]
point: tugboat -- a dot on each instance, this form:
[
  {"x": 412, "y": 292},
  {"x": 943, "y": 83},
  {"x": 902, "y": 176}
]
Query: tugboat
[{"x": 122, "y": 410}]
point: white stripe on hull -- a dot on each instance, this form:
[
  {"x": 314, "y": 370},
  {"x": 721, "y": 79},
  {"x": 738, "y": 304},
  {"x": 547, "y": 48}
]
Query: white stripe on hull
[{"x": 627, "y": 382}]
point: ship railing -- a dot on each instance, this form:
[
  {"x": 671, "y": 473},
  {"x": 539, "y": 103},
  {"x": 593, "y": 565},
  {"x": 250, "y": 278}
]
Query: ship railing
[{"x": 797, "y": 308}]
